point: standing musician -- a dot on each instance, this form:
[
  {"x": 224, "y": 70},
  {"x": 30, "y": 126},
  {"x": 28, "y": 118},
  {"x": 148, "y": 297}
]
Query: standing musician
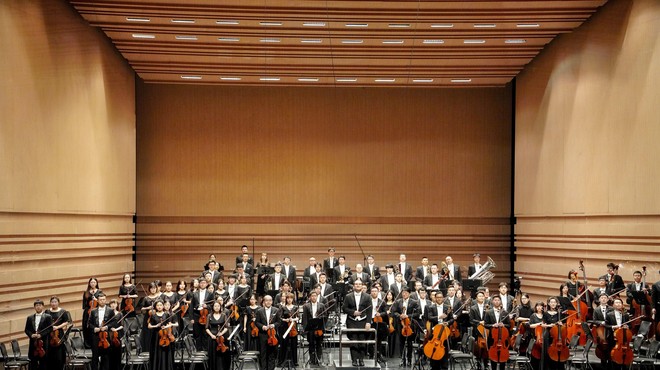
[
  {"x": 326, "y": 288},
  {"x": 232, "y": 288},
  {"x": 161, "y": 354},
  {"x": 56, "y": 356},
  {"x": 262, "y": 266},
  {"x": 290, "y": 319},
  {"x": 405, "y": 268},
  {"x": 359, "y": 275},
  {"x": 476, "y": 266},
  {"x": 289, "y": 272},
  {"x": 477, "y": 317},
  {"x": 372, "y": 269},
  {"x": 422, "y": 312},
  {"x": 116, "y": 333},
  {"x": 356, "y": 306},
  {"x": 146, "y": 307},
  {"x": 505, "y": 298},
  {"x": 601, "y": 289},
  {"x": 404, "y": 311},
  {"x": 615, "y": 319},
  {"x": 246, "y": 265},
  {"x": 276, "y": 280},
  {"x": 497, "y": 317},
  {"x": 434, "y": 280},
  {"x": 388, "y": 278},
  {"x": 551, "y": 317},
  {"x": 536, "y": 322},
  {"x": 38, "y": 327},
  {"x": 398, "y": 285},
  {"x": 216, "y": 327},
  {"x": 342, "y": 271},
  {"x": 98, "y": 324},
  {"x": 329, "y": 264},
  {"x": 575, "y": 287},
  {"x": 128, "y": 291},
  {"x": 423, "y": 270},
  {"x": 313, "y": 314},
  {"x": 379, "y": 321},
  {"x": 439, "y": 313},
  {"x": 454, "y": 270},
  {"x": 213, "y": 270},
  {"x": 89, "y": 302},
  {"x": 600, "y": 314},
  {"x": 201, "y": 303},
  {"x": 614, "y": 281},
  {"x": 268, "y": 321},
  {"x": 636, "y": 289},
  {"x": 239, "y": 258},
  {"x": 655, "y": 300},
  {"x": 279, "y": 298}
]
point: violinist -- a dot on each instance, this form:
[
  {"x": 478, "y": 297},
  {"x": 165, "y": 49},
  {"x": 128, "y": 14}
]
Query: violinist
[
  {"x": 313, "y": 315},
  {"x": 289, "y": 345},
  {"x": 61, "y": 320},
  {"x": 89, "y": 302},
  {"x": 243, "y": 293},
  {"x": 146, "y": 308},
  {"x": 218, "y": 326},
  {"x": 378, "y": 321},
  {"x": 128, "y": 293},
  {"x": 356, "y": 306},
  {"x": 404, "y": 311},
  {"x": 37, "y": 328},
  {"x": 160, "y": 324},
  {"x": 615, "y": 319},
  {"x": 423, "y": 304},
  {"x": 116, "y": 334},
  {"x": 275, "y": 281},
  {"x": 614, "y": 280},
  {"x": 551, "y": 317},
  {"x": 477, "y": 318},
  {"x": 392, "y": 336},
  {"x": 280, "y": 297},
  {"x": 201, "y": 304},
  {"x": 267, "y": 320},
  {"x": 536, "y": 328},
  {"x": 389, "y": 278},
  {"x": 169, "y": 295},
  {"x": 98, "y": 324},
  {"x": 251, "y": 336},
  {"x": 244, "y": 251},
  {"x": 637, "y": 291},
  {"x": 434, "y": 280},
  {"x": 183, "y": 299},
  {"x": 497, "y": 318},
  {"x": 231, "y": 287},
  {"x": 398, "y": 285}
]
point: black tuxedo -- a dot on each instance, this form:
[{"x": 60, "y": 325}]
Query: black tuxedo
[
  {"x": 422, "y": 314},
  {"x": 239, "y": 260},
  {"x": 610, "y": 322},
  {"x": 396, "y": 290},
  {"x": 631, "y": 292},
  {"x": 201, "y": 339},
  {"x": 419, "y": 272},
  {"x": 385, "y": 282},
  {"x": 598, "y": 316},
  {"x": 92, "y": 324},
  {"x": 268, "y": 354},
  {"x": 375, "y": 272},
  {"x": 247, "y": 269},
  {"x": 428, "y": 283},
  {"x": 407, "y": 273},
  {"x": 291, "y": 276},
  {"x": 347, "y": 273},
  {"x": 472, "y": 269},
  {"x": 326, "y": 263},
  {"x": 310, "y": 325},
  {"x": 614, "y": 283},
  {"x": 274, "y": 278},
  {"x": 352, "y": 322},
  {"x": 361, "y": 276},
  {"x": 217, "y": 275},
  {"x": 456, "y": 273},
  {"x": 434, "y": 316},
  {"x": 475, "y": 316},
  {"x": 489, "y": 320},
  {"x": 46, "y": 321},
  {"x": 509, "y": 302},
  {"x": 326, "y": 290}
]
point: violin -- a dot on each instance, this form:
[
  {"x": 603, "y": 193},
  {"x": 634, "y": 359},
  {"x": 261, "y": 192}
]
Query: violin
[
  {"x": 318, "y": 332},
  {"x": 103, "y": 340},
  {"x": 128, "y": 305},
  {"x": 55, "y": 340},
  {"x": 93, "y": 303},
  {"x": 390, "y": 329},
  {"x": 203, "y": 316},
  {"x": 435, "y": 347},
  {"x": 39, "y": 350},
  {"x": 406, "y": 329},
  {"x": 558, "y": 349},
  {"x": 254, "y": 331},
  {"x": 114, "y": 339},
  {"x": 234, "y": 312},
  {"x": 499, "y": 351},
  {"x": 272, "y": 337},
  {"x": 222, "y": 347}
]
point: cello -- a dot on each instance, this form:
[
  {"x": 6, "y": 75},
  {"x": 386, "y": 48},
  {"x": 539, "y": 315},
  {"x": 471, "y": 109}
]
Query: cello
[
  {"x": 644, "y": 309},
  {"x": 537, "y": 350},
  {"x": 499, "y": 350},
  {"x": 435, "y": 347},
  {"x": 558, "y": 348},
  {"x": 622, "y": 353},
  {"x": 481, "y": 344}
]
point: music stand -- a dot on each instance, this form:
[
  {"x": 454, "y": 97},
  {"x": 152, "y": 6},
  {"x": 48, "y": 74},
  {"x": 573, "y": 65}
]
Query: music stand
[
  {"x": 330, "y": 275},
  {"x": 472, "y": 284}
]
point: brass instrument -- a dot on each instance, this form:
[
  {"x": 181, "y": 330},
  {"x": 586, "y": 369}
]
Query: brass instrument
[
  {"x": 343, "y": 276},
  {"x": 484, "y": 274}
]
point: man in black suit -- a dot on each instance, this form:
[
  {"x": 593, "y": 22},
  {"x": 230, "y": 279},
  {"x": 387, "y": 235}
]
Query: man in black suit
[
  {"x": 434, "y": 280},
  {"x": 313, "y": 314},
  {"x": 356, "y": 307},
  {"x": 248, "y": 268},
  {"x": 423, "y": 270},
  {"x": 477, "y": 317},
  {"x": 289, "y": 270},
  {"x": 398, "y": 285},
  {"x": 454, "y": 270},
  {"x": 378, "y": 309},
  {"x": 505, "y": 298},
  {"x": 655, "y": 299},
  {"x": 200, "y": 300},
  {"x": 267, "y": 317},
  {"x": 405, "y": 268},
  {"x": 239, "y": 258},
  {"x": 476, "y": 266},
  {"x": 98, "y": 323},
  {"x": 437, "y": 313},
  {"x": 330, "y": 262},
  {"x": 326, "y": 288},
  {"x": 359, "y": 274},
  {"x": 405, "y": 308},
  {"x": 372, "y": 269},
  {"x": 496, "y": 317},
  {"x": 637, "y": 290},
  {"x": 38, "y": 327},
  {"x": 388, "y": 278},
  {"x": 614, "y": 320},
  {"x": 342, "y": 271},
  {"x": 276, "y": 280}
]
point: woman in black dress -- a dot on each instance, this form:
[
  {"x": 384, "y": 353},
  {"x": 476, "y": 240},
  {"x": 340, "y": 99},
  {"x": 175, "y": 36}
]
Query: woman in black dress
[
  {"x": 251, "y": 341},
  {"x": 128, "y": 294},
  {"x": 146, "y": 309},
  {"x": 216, "y": 326},
  {"x": 168, "y": 294},
  {"x": 61, "y": 320},
  {"x": 289, "y": 345},
  {"x": 552, "y": 317},
  {"x": 161, "y": 356},
  {"x": 261, "y": 279},
  {"x": 183, "y": 299},
  {"x": 116, "y": 326},
  {"x": 536, "y": 321},
  {"x": 89, "y": 302},
  {"x": 525, "y": 311},
  {"x": 392, "y": 337}
]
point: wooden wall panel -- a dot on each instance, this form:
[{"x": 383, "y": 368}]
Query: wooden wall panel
[
  {"x": 586, "y": 147},
  {"x": 67, "y": 159},
  {"x": 426, "y": 172}
]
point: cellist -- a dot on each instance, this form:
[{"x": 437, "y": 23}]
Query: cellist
[
  {"x": 477, "y": 317},
  {"x": 614, "y": 320},
  {"x": 440, "y": 313},
  {"x": 636, "y": 288},
  {"x": 536, "y": 327},
  {"x": 600, "y": 313},
  {"x": 497, "y": 317},
  {"x": 551, "y": 317}
]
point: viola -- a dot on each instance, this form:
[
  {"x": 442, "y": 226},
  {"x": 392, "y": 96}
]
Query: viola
[
  {"x": 481, "y": 345},
  {"x": 537, "y": 350},
  {"x": 128, "y": 305},
  {"x": 203, "y": 316},
  {"x": 103, "y": 340},
  {"x": 390, "y": 329},
  {"x": 114, "y": 339},
  {"x": 39, "y": 350},
  {"x": 222, "y": 347},
  {"x": 378, "y": 319},
  {"x": 93, "y": 303},
  {"x": 558, "y": 349},
  {"x": 406, "y": 329},
  {"x": 435, "y": 346},
  {"x": 272, "y": 337},
  {"x": 55, "y": 338},
  {"x": 622, "y": 354},
  {"x": 499, "y": 351}
]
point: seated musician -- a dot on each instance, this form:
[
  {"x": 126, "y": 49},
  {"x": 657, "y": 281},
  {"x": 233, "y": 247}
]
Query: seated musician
[{"x": 313, "y": 315}]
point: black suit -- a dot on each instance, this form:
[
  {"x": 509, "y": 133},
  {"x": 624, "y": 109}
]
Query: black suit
[
  {"x": 326, "y": 263},
  {"x": 338, "y": 275},
  {"x": 199, "y": 333},
  {"x": 46, "y": 321},
  {"x": 268, "y": 354},
  {"x": 411, "y": 309},
  {"x": 97, "y": 352},
  {"x": 407, "y": 273},
  {"x": 312, "y": 324},
  {"x": 396, "y": 290},
  {"x": 273, "y": 279},
  {"x": 434, "y": 313},
  {"x": 633, "y": 291},
  {"x": 385, "y": 282},
  {"x": 610, "y": 323},
  {"x": 326, "y": 291},
  {"x": 361, "y": 276},
  {"x": 247, "y": 269},
  {"x": 217, "y": 276},
  {"x": 489, "y": 320},
  {"x": 614, "y": 284},
  {"x": 509, "y": 302},
  {"x": 375, "y": 272},
  {"x": 599, "y": 316},
  {"x": 419, "y": 272},
  {"x": 428, "y": 283},
  {"x": 472, "y": 269},
  {"x": 239, "y": 260},
  {"x": 456, "y": 273},
  {"x": 352, "y": 322},
  {"x": 291, "y": 276}
]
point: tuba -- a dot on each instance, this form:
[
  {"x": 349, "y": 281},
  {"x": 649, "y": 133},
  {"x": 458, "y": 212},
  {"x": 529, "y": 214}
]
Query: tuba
[{"x": 484, "y": 274}]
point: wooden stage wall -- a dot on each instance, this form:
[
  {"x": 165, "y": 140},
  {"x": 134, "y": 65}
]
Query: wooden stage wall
[
  {"x": 423, "y": 172},
  {"x": 587, "y": 133},
  {"x": 67, "y": 159}
]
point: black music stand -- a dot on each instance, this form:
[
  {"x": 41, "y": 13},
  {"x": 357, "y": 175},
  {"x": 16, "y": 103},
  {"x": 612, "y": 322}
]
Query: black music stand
[{"x": 472, "y": 284}]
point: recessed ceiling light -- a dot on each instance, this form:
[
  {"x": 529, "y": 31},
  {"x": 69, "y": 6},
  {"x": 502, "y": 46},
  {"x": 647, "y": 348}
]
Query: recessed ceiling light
[
  {"x": 461, "y": 80},
  {"x": 314, "y": 24},
  {"x": 187, "y": 21},
  {"x": 474, "y": 41},
  {"x": 422, "y": 80},
  {"x": 351, "y": 41},
  {"x": 384, "y": 79},
  {"x": 311, "y": 41},
  {"x": 392, "y": 41},
  {"x": 346, "y": 79},
  {"x": 306, "y": 79},
  {"x": 442, "y": 25},
  {"x": 269, "y": 79},
  {"x": 137, "y": 19},
  {"x": 362, "y": 25},
  {"x": 528, "y": 25},
  {"x": 515, "y": 41},
  {"x": 226, "y": 22},
  {"x": 270, "y": 23},
  {"x": 143, "y": 36},
  {"x": 184, "y": 37},
  {"x": 433, "y": 42},
  {"x": 484, "y": 25},
  {"x": 230, "y": 78},
  {"x": 189, "y": 77},
  {"x": 399, "y": 25},
  {"x": 270, "y": 40},
  {"x": 228, "y": 39}
]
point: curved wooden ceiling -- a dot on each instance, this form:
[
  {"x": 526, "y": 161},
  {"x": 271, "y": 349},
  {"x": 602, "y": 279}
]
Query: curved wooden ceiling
[{"x": 333, "y": 43}]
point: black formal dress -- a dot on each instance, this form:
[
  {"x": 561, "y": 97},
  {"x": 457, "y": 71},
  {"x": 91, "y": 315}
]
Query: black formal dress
[
  {"x": 288, "y": 345},
  {"x": 87, "y": 300},
  {"x": 218, "y": 360},
  {"x": 57, "y": 354},
  {"x": 160, "y": 357},
  {"x": 128, "y": 290},
  {"x": 145, "y": 333}
]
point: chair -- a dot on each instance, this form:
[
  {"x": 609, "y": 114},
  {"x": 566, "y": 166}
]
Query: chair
[
  {"x": 245, "y": 357},
  {"x": 190, "y": 356},
  {"x": 523, "y": 361},
  {"x": 133, "y": 360},
  {"x": 12, "y": 363},
  {"x": 73, "y": 361},
  {"x": 573, "y": 344},
  {"x": 582, "y": 358},
  {"x": 78, "y": 347},
  {"x": 16, "y": 349},
  {"x": 649, "y": 359},
  {"x": 465, "y": 356}
]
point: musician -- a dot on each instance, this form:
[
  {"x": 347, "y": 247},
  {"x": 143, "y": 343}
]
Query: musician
[
  {"x": 215, "y": 274},
  {"x": 615, "y": 319},
  {"x": 602, "y": 288},
  {"x": 200, "y": 300},
  {"x": 161, "y": 355},
  {"x": 398, "y": 285},
  {"x": 574, "y": 286},
  {"x": 248, "y": 268},
  {"x": 388, "y": 278},
  {"x": 218, "y": 326},
  {"x": 89, "y": 301},
  {"x": 378, "y": 309},
  {"x": 310, "y": 269},
  {"x": 330, "y": 262},
  {"x": 423, "y": 270},
  {"x": 536, "y": 320},
  {"x": 359, "y": 275},
  {"x": 636, "y": 288},
  {"x": 288, "y": 345},
  {"x": 240, "y": 273},
  {"x": 169, "y": 295},
  {"x": 231, "y": 287},
  {"x": 551, "y": 317},
  {"x": 452, "y": 300},
  {"x": 342, "y": 271},
  {"x": 433, "y": 280},
  {"x": 239, "y": 258},
  {"x": 313, "y": 313},
  {"x": 38, "y": 326},
  {"x": 405, "y": 268},
  {"x": 315, "y": 277},
  {"x": 214, "y": 293},
  {"x": 439, "y": 313},
  {"x": 454, "y": 270},
  {"x": 98, "y": 323},
  {"x": 251, "y": 342},
  {"x": 405, "y": 308},
  {"x": 392, "y": 336},
  {"x": 424, "y": 303},
  {"x": 263, "y": 274},
  {"x": 243, "y": 293},
  {"x": 326, "y": 288},
  {"x": 372, "y": 269},
  {"x": 267, "y": 317},
  {"x": 116, "y": 326},
  {"x": 276, "y": 280},
  {"x": 211, "y": 258},
  {"x": 356, "y": 305},
  {"x": 289, "y": 270},
  {"x": 321, "y": 299},
  {"x": 416, "y": 287},
  {"x": 655, "y": 300},
  {"x": 615, "y": 282},
  {"x": 477, "y": 317},
  {"x": 476, "y": 266},
  {"x": 127, "y": 290},
  {"x": 496, "y": 317},
  {"x": 146, "y": 306}
]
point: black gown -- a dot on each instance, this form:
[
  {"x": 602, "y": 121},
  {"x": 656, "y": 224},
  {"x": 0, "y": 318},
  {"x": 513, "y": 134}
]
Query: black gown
[
  {"x": 251, "y": 343},
  {"x": 160, "y": 358},
  {"x": 126, "y": 290},
  {"x": 86, "y": 301},
  {"x": 145, "y": 334},
  {"x": 56, "y": 356},
  {"x": 288, "y": 345},
  {"x": 218, "y": 360},
  {"x": 550, "y": 319}
]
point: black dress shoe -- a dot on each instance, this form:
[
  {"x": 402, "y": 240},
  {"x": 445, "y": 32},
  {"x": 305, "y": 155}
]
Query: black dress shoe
[
  {"x": 409, "y": 363},
  {"x": 360, "y": 362},
  {"x": 402, "y": 364},
  {"x": 354, "y": 363}
]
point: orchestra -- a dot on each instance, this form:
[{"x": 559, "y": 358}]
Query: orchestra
[{"x": 277, "y": 311}]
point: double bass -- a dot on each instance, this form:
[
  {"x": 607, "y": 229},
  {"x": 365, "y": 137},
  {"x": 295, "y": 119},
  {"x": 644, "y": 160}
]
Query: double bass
[{"x": 575, "y": 318}]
